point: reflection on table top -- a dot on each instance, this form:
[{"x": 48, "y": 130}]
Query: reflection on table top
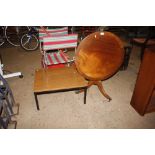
[{"x": 58, "y": 79}]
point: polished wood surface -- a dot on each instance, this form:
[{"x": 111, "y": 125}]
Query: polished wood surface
[
  {"x": 143, "y": 99},
  {"x": 58, "y": 79},
  {"x": 142, "y": 41},
  {"x": 99, "y": 55}
]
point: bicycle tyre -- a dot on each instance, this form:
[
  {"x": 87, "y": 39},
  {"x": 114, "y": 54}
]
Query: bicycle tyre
[
  {"x": 13, "y": 34},
  {"x": 29, "y": 42},
  {"x": 2, "y": 40}
]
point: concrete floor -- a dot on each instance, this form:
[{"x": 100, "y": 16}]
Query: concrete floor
[{"x": 66, "y": 110}]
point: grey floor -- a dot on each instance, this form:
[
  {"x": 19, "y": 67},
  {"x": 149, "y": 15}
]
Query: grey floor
[{"x": 66, "y": 110}]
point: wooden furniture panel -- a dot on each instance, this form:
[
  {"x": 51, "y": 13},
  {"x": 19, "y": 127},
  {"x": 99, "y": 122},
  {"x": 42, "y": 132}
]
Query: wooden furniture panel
[
  {"x": 151, "y": 106},
  {"x": 143, "y": 99}
]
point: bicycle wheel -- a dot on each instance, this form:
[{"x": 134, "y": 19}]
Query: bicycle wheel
[
  {"x": 2, "y": 39},
  {"x": 13, "y": 34},
  {"x": 29, "y": 42}
]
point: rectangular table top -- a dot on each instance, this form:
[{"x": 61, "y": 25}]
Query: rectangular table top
[{"x": 58, "y": 79}]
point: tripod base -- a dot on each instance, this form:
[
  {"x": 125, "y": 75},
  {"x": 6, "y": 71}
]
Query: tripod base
[{"x": 100, "y": 87}]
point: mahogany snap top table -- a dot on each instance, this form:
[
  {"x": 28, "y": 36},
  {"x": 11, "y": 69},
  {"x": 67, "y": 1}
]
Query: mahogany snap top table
[{"x": 58, "y": 80}]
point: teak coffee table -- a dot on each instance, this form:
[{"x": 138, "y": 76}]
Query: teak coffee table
[{"x": 58, "y": 80}]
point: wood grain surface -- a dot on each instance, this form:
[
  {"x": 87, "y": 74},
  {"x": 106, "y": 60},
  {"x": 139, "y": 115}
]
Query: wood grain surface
[
  {"x": 58, "y": 79},
  {"x": 99, "y": 55}
]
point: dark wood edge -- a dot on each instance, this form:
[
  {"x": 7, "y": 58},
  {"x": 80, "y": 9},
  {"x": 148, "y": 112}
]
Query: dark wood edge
[{"x": 61, "y": 90}]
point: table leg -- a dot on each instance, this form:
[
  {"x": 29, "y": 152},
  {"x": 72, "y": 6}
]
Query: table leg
[
  {"x": 36, "y": 99},
  {"x": 85, "y": 94}
]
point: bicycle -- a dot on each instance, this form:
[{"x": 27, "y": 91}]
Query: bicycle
[
  {"x": 2, "y": 38},
  {"x": 12, "y": 34},
  {"x": 30, "y": 41}
]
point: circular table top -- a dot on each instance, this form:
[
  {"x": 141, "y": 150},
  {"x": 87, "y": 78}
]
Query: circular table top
[{"x": 99, "y": 55}]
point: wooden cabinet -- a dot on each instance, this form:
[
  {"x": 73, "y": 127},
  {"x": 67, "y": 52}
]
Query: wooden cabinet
[{"x": 143, "y": 99}]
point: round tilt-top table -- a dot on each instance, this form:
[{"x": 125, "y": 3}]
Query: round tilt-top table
[{"x": 98, "y": 57}]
